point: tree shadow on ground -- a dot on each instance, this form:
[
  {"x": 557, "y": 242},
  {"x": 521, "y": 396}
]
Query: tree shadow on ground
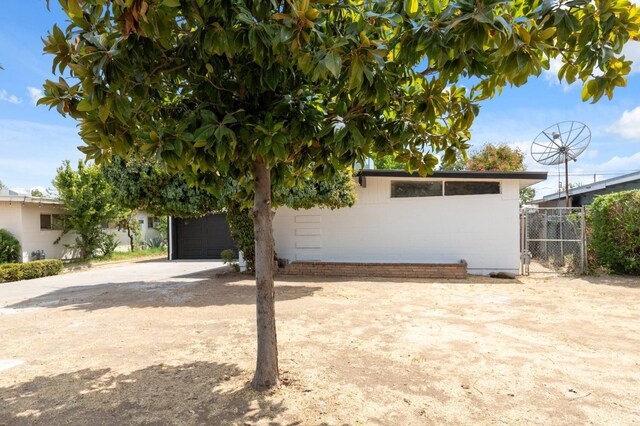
[
  {"x": 190, "y": 290},
  {"x": 196, "y": 393},
  {"x": 613, "y": 280}
]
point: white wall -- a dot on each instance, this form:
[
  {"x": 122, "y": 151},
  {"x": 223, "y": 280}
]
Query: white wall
[
  {"x": 23, "y": 221},
  {"x": 146, "y": 233},
  {"x": 11, "y": 218},
  {"x": 482, "y": 229}
]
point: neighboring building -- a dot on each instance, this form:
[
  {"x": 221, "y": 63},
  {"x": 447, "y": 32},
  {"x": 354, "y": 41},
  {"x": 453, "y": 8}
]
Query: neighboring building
[
  {"x": 36, "y": 224},
  {"x": 404, "y": 218},
  {"x": 585, "y": 194},
  {"x": 147, "y": 230}
]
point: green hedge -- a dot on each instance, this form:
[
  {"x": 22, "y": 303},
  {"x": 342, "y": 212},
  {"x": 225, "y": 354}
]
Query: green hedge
[
  {"x": 9, "y": 247},
  {"x": 614, "y": 220},
  {"x": 29, "y": 270}
]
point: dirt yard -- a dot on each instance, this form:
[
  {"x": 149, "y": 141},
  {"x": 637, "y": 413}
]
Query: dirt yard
[{"x": 181, "y": 351}]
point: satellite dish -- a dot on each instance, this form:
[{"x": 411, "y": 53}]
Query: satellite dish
[{"x": 560, "y": 143}]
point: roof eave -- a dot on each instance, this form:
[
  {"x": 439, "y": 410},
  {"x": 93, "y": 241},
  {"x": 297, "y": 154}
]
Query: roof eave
[{"x": 534, "y": 177}]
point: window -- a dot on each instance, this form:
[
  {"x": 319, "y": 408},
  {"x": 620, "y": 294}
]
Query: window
[
  {"x": 435, "y": 189},
  {"x": 416, "y": 189},
  {"x": 51, "y": 221},
  {"x": 154, "y": 222},
  {"x": 471, "y": 188}
]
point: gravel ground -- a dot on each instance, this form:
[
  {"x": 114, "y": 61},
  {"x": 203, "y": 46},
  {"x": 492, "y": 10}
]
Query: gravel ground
[{"x": 179, "y": 349}]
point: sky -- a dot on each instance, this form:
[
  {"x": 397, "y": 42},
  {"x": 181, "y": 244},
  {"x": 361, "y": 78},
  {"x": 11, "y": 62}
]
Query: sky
[{"x": 34, "y": 141}]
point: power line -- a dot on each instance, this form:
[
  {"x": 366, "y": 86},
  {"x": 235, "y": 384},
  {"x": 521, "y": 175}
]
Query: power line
[{"x": 601, "y": 173}]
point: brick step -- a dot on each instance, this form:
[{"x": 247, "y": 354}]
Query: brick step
[{"x": 382, "y": 270}]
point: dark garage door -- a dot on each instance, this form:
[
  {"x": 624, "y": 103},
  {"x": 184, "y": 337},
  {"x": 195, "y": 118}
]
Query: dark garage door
[{"x": 202, "y": 238}]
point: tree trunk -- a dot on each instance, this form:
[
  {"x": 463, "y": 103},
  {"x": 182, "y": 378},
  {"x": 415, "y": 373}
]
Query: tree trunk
[
  {"x": 130, "y": 235},
  {"x": 267, "y": 375}
]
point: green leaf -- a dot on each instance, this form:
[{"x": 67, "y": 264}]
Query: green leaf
[
  {"x": 589, "y": 90},
  {"x": 333, "y": 62},
  {"x": 85, "y": 105},
  {"x": 205, "y": 132},
  {"x": 435, "y": 6},
  {"x": 74, "y": 8},
  {"x": 356, "y": 73},
  {"x": 171, "y": 3},
  {"x": 411, "y": 7},
  {"x": 103, "y": 113},
  {"x": 229, "y": 119},
  {"x": 546, "y": 34},
  {"x": 208, "y": 116}
]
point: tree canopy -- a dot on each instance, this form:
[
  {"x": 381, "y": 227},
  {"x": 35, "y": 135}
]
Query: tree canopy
[
  {"x": 88, "y": 203},
  {"x": 496, "y": 157},
  {"x": 146, "y": 185},
  {"x": 262, "y": 91}
]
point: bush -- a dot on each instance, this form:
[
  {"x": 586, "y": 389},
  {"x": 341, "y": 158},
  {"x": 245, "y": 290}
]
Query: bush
[
  {"x": 228, "y": 256},
  {"x": 108, "y": 244},
  {"x": 155, "y": 242},
  {"x": 9, "y": 247},
  {"x": 614, "y": 220},
  {"x": 240, "y": 222},
  {"x": 30, "y": 270}
]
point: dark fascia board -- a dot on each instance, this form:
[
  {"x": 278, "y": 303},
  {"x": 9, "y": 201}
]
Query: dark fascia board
[{"x": 464, "y": 174}]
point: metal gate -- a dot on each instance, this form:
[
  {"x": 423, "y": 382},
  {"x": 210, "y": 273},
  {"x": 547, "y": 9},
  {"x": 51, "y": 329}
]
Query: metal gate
[{"x": 552, "y": 240}]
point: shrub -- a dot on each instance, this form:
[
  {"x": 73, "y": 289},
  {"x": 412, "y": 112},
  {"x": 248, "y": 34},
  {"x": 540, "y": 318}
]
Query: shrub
[
  {"x": 614, "y": 220},
  {"x": 241, "y": 226},
  {"x": 155, "y": 242},
  {"x": 228, "y": 256},
  {"x": 29, "y": 270},
  {"x": 108, "y": 244},
  {"x": 9, "y": 247}
]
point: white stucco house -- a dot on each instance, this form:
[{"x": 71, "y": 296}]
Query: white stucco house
[
  {"x": 399, "y": 218},
  {"x": 35, "y": 222}
]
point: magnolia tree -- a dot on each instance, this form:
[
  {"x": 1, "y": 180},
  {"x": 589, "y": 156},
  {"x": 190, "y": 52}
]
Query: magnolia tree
[{"x": 258, "y": 91}]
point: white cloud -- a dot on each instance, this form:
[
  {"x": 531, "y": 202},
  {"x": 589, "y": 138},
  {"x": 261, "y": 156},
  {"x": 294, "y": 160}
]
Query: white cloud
[
  {"x": 34, "y": 94},
  {"x": 551, "y": 75},
  {"x": 627, "y": 126},
  {"x": 619, "y": 165},
  {"x": 12, "y": 99},
  {"x": 631, "y": 51}
]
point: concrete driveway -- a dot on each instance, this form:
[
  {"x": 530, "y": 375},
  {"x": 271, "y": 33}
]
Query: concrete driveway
[{"x": 149, "y": 271}]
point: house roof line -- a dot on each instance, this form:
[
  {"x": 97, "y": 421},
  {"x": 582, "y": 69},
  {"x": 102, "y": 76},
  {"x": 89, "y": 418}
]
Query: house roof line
[
  {"x": 590, "y": 187},
  {"x": 462, "y": 174},
  {"x": 25, "y": 199}
]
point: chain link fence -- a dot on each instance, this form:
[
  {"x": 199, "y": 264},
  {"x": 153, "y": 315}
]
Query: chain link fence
[{"x": 553, "y": 240}]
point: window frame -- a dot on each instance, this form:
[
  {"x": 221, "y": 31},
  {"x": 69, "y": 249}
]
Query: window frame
[
  {"x": 499, "y": 183},
  {"x": 56, "y": 221},
  {"x": 440, "y": 182},
  {"x": 443, "y": 183}
]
